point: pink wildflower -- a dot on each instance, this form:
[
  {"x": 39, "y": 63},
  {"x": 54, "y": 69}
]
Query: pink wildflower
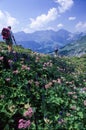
[
  {"x": 30, "y": 81},
  {"x": 84, "y": 89},
  {"x": 14, "y": 52},
  {"x": 37, "y": 83},
  {"x": 1, "y": 58},
  {"x": 68, "y": 83},
  {"x": 75, "y": 96},
  {"x": 29, "y": 112},
  {"x": 21, "y": 120},
  {"x": 2, "y": 96},
  {"x": 37, "y": 59},
  {"x": 26, "y": 113},
  {"x": 27, "y": 124},
  {"x": 21, "y": 125},
  {"x": 24, "y": 67},
  {"x": 70, "y": 93},
  {"x": 61, "y": 121},
  {"x": 84, "y": 102},
  {"x": 28, "y": 68},
  {"x": 10, "y": 61},
  {"x": 24, "y": 124},
  {"x": 59, "y": 80},
  {"x": 15, "y": 72},
  {"x": 73, "y": 107},
  {"x": 68, "y": 114},
  {"x": 48, "y": 85},
  {"x": 51, "y": 64},
  {"x": 54, "y": 81},
  {"x": 8, "y": 79}
]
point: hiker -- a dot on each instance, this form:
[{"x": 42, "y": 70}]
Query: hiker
[
  {"x": 56, "y": 51},
  {"x": 8, "y": 37}
]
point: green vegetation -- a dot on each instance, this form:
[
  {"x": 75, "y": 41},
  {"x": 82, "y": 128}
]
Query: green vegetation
[
  {"x": 41, "y": 92},
  {"x": 76, "y": 48}
]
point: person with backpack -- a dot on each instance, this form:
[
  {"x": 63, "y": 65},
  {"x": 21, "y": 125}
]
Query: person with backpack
[
  {"x": 8, "y": 37},
  {"x": 56, "y": 51}
]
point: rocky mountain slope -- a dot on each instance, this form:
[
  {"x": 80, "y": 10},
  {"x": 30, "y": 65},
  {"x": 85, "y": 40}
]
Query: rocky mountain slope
[{"x": 76, "y": 48}]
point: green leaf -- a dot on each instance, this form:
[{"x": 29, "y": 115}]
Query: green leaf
[{"x": 80, "y": 114}]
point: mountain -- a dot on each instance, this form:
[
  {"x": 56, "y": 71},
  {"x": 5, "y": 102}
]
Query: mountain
[
  {"x": 76, "y": 48},
  {"x": 62, "y": 36},
  {"x": 29, "y": 44},
  {"x": 45, "y": 41}
]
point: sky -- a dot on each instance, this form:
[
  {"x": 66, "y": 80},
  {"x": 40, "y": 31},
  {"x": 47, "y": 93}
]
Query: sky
[{"x": 35, "y": 15}]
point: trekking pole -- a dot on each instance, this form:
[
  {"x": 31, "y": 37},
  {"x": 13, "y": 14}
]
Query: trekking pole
[{"x": 14, "y": 41}]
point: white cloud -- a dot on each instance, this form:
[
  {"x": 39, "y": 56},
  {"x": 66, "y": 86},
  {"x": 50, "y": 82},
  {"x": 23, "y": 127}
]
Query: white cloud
[
  {"x": 1, "y": 15},
  {"x": 41, "y": 21},
  {"x": 11, "y": 20},
  {"x": 72, "y": 18},
  {"x": 81, "y": 26},
  {"x": 64, "y": 5},
  {"x": 60, "y": 25},
  {"x": 6, "y": 19}
]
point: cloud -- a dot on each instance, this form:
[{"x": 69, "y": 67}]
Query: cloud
[
  {"x": 6, "y": 19},
  {"x": 1, "y": 15},
  {"x": 64, "y": 5},
  {"x": 72, "y": 18},
  {"x": 60, "y": 25},
  {"x": 41, "y": 21},
  {"x": 81, "y": 26}
]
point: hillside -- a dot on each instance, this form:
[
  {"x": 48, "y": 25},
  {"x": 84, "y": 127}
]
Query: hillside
[
  {"x": 76, "y": 48},
  {"x": 41, "y": 92}
]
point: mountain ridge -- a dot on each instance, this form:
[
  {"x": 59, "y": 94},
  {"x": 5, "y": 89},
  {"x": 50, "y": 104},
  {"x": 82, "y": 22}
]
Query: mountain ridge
[
  {"x": 76, "y": 48},
  {"x": 46, "y": 40}
]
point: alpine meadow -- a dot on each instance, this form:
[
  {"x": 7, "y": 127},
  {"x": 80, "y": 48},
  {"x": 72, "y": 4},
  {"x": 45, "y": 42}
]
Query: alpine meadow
[{"x": 41, "y": 91}]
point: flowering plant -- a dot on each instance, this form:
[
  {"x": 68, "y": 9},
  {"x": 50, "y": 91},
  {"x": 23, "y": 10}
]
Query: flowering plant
[{"x": 41, "y": 92}]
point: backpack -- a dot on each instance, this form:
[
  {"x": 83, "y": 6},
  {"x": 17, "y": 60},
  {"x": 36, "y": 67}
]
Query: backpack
[{"x": 5, "y": 33}]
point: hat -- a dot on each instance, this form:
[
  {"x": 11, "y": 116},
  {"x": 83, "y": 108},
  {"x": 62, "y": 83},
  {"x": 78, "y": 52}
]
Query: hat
[{"x": 9, "y": 27}]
